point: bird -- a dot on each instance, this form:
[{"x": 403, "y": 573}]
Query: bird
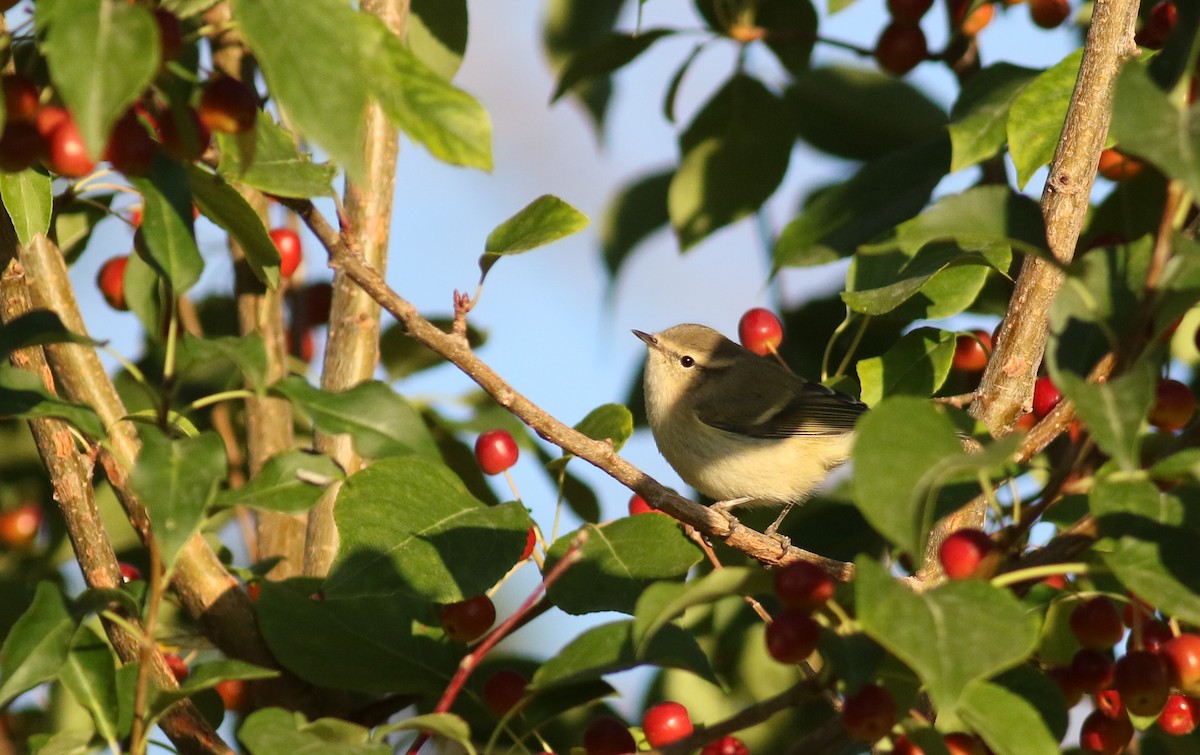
[{"x": 741, "y": 428}]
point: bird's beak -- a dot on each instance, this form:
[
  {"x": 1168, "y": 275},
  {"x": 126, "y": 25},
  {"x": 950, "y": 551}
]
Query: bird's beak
[{"x": 648, "y": 339}]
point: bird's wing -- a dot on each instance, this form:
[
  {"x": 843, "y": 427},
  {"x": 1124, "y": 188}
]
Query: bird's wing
[{"x": 810, "y": 409}]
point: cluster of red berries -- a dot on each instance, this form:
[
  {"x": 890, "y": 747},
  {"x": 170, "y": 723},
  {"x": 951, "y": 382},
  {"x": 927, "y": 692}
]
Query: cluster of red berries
[{"x": 19, "y": 526}]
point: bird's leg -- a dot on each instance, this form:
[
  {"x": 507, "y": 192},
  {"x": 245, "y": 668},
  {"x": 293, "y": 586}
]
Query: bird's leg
[
  {"x": 772, "y": 531},
  {"x": 725, "y": 506}
]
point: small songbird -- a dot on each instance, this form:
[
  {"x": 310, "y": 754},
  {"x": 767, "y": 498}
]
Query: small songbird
[{"x": 741, "y": 428}]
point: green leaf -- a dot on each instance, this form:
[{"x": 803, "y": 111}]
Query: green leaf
[
  {"x": 611, "y": 422},
  {"x": 38, "y": 644},
  {"x": 791, "y": 27},
  {"x": 275, "y": 731},
  {"x": 734, "y": 154},
  {"x": 36, "y": 328},
  {"x": 574, "y": 25},
  {"x": 949, "y": 278},
  {"x": 380, "y": 420},
  {"x": 1036, "y": 117},
  {"x": 637, "y": 211},
  {"x": 291, "y": 482},
  {"x": 951, "y": 636},
  {"x": 402, "y": 355},
  {"x": 409, "y": 526},
  {"x": 618, "y": 561},
  {"x": 603, "y": 58},
  {"x": 377, "y": 651},
  {"x": 916, "y": 366},
  {"x": 203, "y": 677},
  {"x": 1006, "y": 720},
  {"x": 543, "y": 221},
  {"x": 143, "y": 293},
  {"x": 881, "y": 194},
  {"x": 1185, "y": 463},
  {"x": 437, "y": 34},
  {"x": 24, "y": 396},
  {"x": 1154, "y": 544},
  {"x": 177, "y": 479},
  {"x": 445, "y": 725},
  {"x": 1113, "y": 411},
  {"x": 277, "y": 169},
  {"x": 444, "y": 119},
  {"x": 316, "y": 65},
  {"x": 169, "y": 240},
  {"x": 28, "y": 199},
  {"x": 891, "y": 480},
  {"x": 609, "y": 648},
  {"x": 225, "y": 206},
  {"x": 90, "y": 675},
  {"x": 1146, "y": 123},
  {"x": 246, "y": 352},
  {"x": 979, "y": 118},
  {"x": 102, "y": 56},
  {"x": 982, "y": 219},
  {"x": 835, "y": 110},
  {"x": 663, "y": 602}
]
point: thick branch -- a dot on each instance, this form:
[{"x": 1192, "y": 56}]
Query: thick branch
[{"x": 1007, "y": 384}]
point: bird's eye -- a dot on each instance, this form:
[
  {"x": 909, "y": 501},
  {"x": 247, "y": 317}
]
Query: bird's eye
[{"x": 687, "y": 361}]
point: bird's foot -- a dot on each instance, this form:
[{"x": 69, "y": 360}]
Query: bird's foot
[
  {"x": 773, "y": 531},
  {"x": 732, "y": 503}
]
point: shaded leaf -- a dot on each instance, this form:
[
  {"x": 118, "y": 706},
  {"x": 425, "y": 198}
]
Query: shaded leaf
[
  {"x": 663, "y": 602},
  {"x": 606, "y": 56},
  {"x": 24, "y": 396},
  {"x": 90, "y": 675},
  {"x": 637, "y": 211},
  {"x": 246, "y": 352},
  {"x": 791, "y": 27},
  {"x": 169, "y": 241},
  {"x": 225, "y": 206},
  {"x": 1006, "y": 720},
  {"x": 28, "y": 199},
  {"x": 1146, "y": 123},
  {"x": 37, "y": 646},
  {"x": 291, "y": 482},
  {"x": 609, "y": 648},
  {"x": 36, "y": 328},
  {"x": 277, "y": 169},
  {"x": 73, "y": 224},
  {"x": 437, "y": 34},
  {"x": 979, "y": 118},
  {"x": 1113, "y": 411},
  {"x": 445, "y": 725},
  {"x": 403, "y": 355},
  {"x": 916, "y": 366},
  {"x": 1036, "y": 116},
  {"x": 275, "y": 731}
]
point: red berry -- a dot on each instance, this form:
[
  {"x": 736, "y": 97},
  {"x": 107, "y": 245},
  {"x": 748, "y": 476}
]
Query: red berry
[
  {"x": 1091, "y": 670},
  {"x": 19, "y": 526},
  {"x": 129, "y": 572},
  {"x": 20, "y": 98},
  {"x": 468, "y": 619},
  {"x": 964, "y": 552},
  {"x": 1057, "y": 581},
  {"x": 760, "y": 331},
  {"x": 608, "y": 736},
  {"x": 1045, "y": 396},
  {"x": 1174, "y": 405},
  {"x": 21, "y": 145},
  {"x": 971, "y": 352},
  {"x": 1024, "y": 423},
  {"x": 1141, "y": 679},
  {"x": 978, "y": 20},
  {"x": 111, "y": 282},
  {"x": 318, "y": 299},
  {"x": 253, "y": 590},
  {"x": 530, "y": 541},
  {"x": 1182, "y": 655},
  {"x": 726, "y": 746},
  {"x": 66, "y": 153},
  {"x": 1108, "y": 701},
  {"x": 1064, "y": 677},
  {"x": 49, "y": 118},
  {"x": 1117, "y": 167},
  {"x": 234, "y": 694},
  {"x": 1105, "y": 735},
  {"x": 304, "y": 349},
  {"x": 1097, "y": 624},
  {"x": 869, "y": 714},
  {"x": 1155, "y": 634},
  {"x": 1179, "y": 715},
  {"x": 496, "y": 451},
  {"x": 177, "y": 665},
  {"x": 902, "y": 745},
  {"x": 1049, "y": 14},
  {"x": 792, "y": 636},
  {"x": 184, "y": 141},
  {"x": 130, "y": 148},
  {"x": 961, "y": 743},
  {"x": 638, "y": 505},
  {"x": 290, "y": 249},
  {"x": 900, "y": 48},
  {"x": 503, "y": 690},
  {"x": 803, "y": 585},
  {"x": 228, "y": 105},
  {"x": 908, "y": 10},
  {"x": 665, "y": 724},
  {"x": 1158, "y": 25},
  {"x": 170, "y": 34}
]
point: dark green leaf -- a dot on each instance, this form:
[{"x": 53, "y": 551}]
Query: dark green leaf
[
  {"x": 23, "y": 396},
  {"x": 102, "y": 56},
  {"x": 981, "y": 219},
  {"x": 290, "y": 482},
  {"x": 916, "y": 366},
  {"x": 604, "y": 57},
  {"x": 246, "y": 352},
  {"x": 951, "y": 636},
  {"x": 143, "y": 294},
  {"x": 1154, "y": 549},
  {"x": 73, "y": 225},
  {"x": 611, "y": 422},
  {"x": 28, "y": 199},
  {"x": 177, "y": 479},
  {"x": 1006, "y": 720},
  {"x": 225, "y": 206},
  {"x": 668, "y": 107},
  {"x": 836, "y": 107},
  {"x": 90, "y": 674},
  {"x": 403, "y": 355},
  {"x": 169, "y": 241},
  {"x": 619, "y": 560},
  {"x": 409, "y": 526},
  {"x": 1113, "y": 411},
  {"x": 574, "y": 25},
  {"x": 316, "y": 66},
  {"x": 380, "y": 420},
  {"x": 979, "y": 127},
  {"x": 881, "y": 194},
  {"x": 277, "y": 169},
  {"x": 949, "y": 278},
  {"x": 542, "y": 221},
  {"x": 37, "y": 646},
  {"x": 663, "y": 602},
  {"x": 735, "y": 153},
  {"x": 377, "y": 651},
  {"x": 434, "y": 113},
  {"x": 637, "y": 211},
  {"x": 1185, "y": 463},
  {"x": 36, "y": 328},
  {"x": 437, "y": 34},
  {"x": 275, "y": 731},
  {"x": 791, "y": 27},
  {"x": 1146, "y": 123},
  {"x": 1036, "y": 117},
  {"x": 891, "y": 480},
  {"x": 609, "y": 648},
  {"x": 446, "y": 725}
]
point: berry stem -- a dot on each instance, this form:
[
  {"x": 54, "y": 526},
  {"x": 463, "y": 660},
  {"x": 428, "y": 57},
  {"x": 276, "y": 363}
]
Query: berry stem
[
  {"x": 512, "y": 485},
  {"x": 217, "y": 398},
  {"x": 1040, "y": 572}
]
